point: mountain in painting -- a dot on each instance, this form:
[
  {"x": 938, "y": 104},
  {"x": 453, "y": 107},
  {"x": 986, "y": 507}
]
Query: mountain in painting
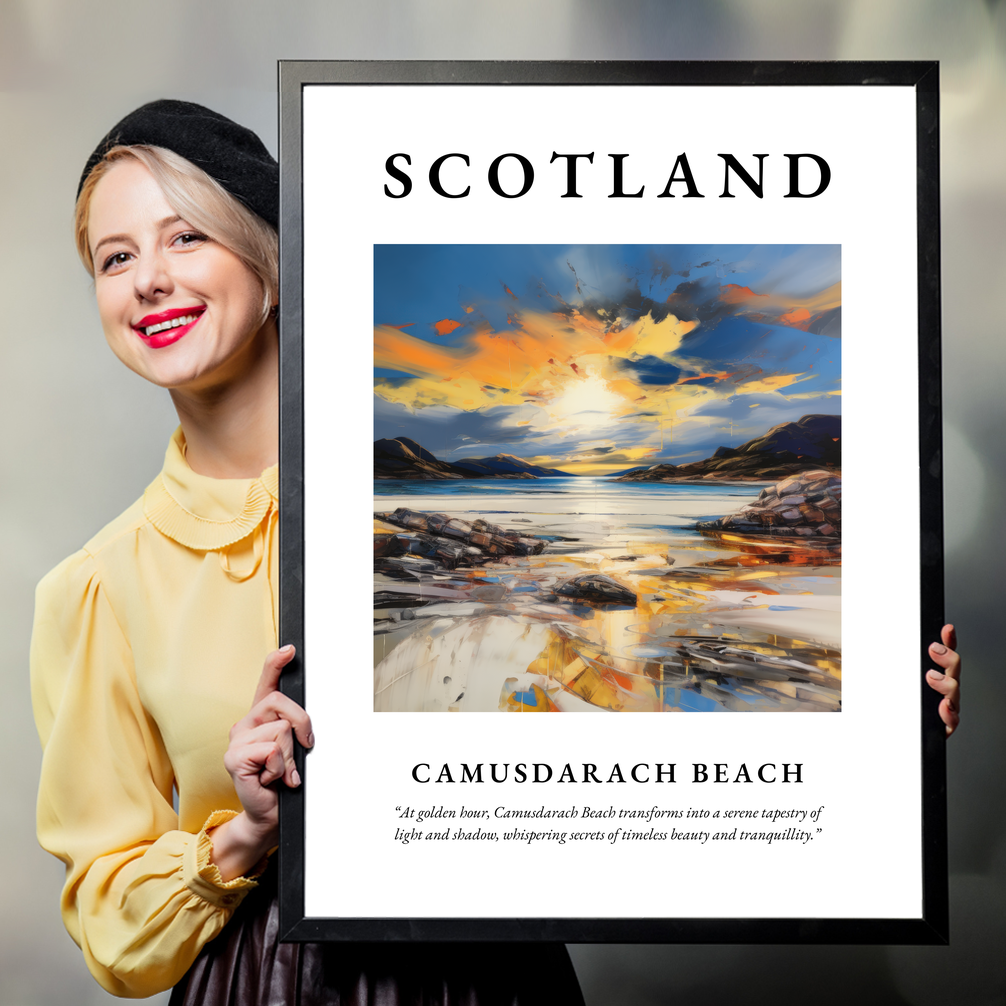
[
  {"x": 818, "y": 437},
  {"x": 403, "y": 458},
  {"x": 507, "y": 466},
  {"x": 813, "y": 441},
  {"x": 634, "y": 470}
]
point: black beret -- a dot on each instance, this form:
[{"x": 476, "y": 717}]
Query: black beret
[{"x": 231, "y": 154}]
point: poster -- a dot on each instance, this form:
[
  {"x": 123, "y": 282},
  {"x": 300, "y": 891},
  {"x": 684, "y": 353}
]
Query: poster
[
  {"x": 620, "y": 366},
  {"x": 666, "y": 547}
]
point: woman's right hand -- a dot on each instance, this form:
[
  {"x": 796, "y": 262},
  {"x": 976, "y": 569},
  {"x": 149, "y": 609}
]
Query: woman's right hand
[{"x": 260, "y": 753}]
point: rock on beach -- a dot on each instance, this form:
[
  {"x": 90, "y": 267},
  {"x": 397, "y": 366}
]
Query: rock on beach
[
  {"x": 598, "y": 588},
  {"x": 804, "y": 505},
  {"x": 450, "y": 541}
]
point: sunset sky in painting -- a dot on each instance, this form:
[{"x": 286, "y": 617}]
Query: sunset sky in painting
[{"x": 598, "y": 358}]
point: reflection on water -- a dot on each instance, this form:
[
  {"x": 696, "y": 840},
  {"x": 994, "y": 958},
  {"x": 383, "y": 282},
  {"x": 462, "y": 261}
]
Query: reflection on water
[{"x": 721, "y": 622}]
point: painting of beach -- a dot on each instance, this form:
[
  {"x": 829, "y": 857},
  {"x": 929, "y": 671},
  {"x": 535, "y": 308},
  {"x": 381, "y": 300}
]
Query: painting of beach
[{"x": 607, "y": 478}]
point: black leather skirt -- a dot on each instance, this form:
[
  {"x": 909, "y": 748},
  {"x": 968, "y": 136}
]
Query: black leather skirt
[{"x": 246, "y": 965}]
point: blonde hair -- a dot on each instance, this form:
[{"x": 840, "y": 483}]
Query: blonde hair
[{"x": 199, "y": 200}]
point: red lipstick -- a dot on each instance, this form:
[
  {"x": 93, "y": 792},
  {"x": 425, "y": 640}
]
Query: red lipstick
[{"x": 166, "y": 327}]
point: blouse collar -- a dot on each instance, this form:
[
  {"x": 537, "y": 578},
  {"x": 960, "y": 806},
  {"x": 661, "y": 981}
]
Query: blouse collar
[{"x": 204, "y": 513}]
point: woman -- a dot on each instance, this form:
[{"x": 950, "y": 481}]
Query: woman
[{"x": 149, "y": 642}]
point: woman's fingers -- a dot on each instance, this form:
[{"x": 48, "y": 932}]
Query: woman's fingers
[
  {"x": 947, "y": 686},
  {"x": 274, "y": 766},
  {"x": 277, "y": 706},
  {"x": 270, "y": 703},
  {"x": 948, "y": 659},
  {"x": 260, "y": 761},
  {"x": 949, "y": 636},
  {"x": 261, "y": 749},
  {"x": 949, "y": 710},
  {"x": 279, "y": 736},
  {"x": 271, "y": 671},
  {"x": 947, "y": 680}
]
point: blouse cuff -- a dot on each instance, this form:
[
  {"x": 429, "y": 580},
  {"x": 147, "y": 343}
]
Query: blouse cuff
[{"x": 202, "y": 876}]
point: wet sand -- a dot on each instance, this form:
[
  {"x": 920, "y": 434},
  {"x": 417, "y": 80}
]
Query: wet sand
[{"x": 722, "y": 622}]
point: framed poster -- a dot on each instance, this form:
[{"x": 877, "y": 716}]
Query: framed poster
[{"x": 612, "y": 390}]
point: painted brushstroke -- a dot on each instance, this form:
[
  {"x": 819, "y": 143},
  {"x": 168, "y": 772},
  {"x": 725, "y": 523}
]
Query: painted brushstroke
[{"x": 631, "y": 409}]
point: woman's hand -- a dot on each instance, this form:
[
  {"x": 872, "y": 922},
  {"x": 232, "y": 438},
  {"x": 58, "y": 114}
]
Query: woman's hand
[
  {"x": 948, "y": 681},
  {"x": 260, "y": 753}
]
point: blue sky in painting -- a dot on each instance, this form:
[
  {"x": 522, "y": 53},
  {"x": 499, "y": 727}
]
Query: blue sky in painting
[{"x": 600, "y": 357}]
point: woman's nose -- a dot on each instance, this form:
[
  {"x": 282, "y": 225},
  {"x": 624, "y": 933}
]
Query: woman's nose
[{"x": 152, "y": 277}]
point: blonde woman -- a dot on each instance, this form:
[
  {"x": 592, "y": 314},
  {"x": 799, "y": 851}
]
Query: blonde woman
[{"x": 154, "y": 660}]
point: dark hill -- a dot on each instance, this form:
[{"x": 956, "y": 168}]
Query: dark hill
[
  {"x": 396, "y": 459},
  {"x": 506, "y": 464},
  {"x": 402, "y": 458},
  {"x": 417, "y": 449},
  {"x": 813, "y": 441},
  {"x": 635, "y": 470},
  {"x": 814, "y": 436}
]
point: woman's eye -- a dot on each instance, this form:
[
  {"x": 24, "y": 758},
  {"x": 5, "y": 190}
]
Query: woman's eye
[
  {"x": 190, "y": 238},
  {"x": 114, "y": 261}
]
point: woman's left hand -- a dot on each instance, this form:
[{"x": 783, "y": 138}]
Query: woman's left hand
[{"x": 948, "y": 681}]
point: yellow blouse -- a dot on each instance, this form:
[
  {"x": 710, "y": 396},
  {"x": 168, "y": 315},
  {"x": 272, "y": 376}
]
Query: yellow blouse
[{"x": 147, "y": 647}]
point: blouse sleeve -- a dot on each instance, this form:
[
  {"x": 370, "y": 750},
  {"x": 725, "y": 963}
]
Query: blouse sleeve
[{"x": 141, "y": 898}]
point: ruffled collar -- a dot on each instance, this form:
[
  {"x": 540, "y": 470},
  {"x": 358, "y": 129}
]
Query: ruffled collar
[{"x": 203, "y": 513}]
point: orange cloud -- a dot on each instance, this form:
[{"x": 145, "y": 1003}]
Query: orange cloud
[
  {"x": 799, "y": 317},
  {"x": 445, "y": 326},
  {"x": 523, "y": 361},
  {"x": 734, "y": 294},
  {"x": 797, "y": 312},
  {"x": 566, "y": 365}
]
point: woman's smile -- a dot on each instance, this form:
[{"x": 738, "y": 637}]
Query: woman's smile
[{"x": 166, "y": 327}]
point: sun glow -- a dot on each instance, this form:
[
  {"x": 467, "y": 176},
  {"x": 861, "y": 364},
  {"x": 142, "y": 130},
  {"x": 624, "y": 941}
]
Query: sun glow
[{"x": 586, "y": 402}]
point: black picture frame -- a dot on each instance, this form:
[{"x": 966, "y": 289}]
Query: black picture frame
[{"x": 932, "y": 926}]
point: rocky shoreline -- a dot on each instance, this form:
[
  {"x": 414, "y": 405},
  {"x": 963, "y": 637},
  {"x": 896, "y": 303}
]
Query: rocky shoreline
[{"x": 805, "y": 505}]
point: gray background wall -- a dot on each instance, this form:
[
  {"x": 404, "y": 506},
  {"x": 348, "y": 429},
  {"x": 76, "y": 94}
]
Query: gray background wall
[{"x": 81, "y": 436}]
